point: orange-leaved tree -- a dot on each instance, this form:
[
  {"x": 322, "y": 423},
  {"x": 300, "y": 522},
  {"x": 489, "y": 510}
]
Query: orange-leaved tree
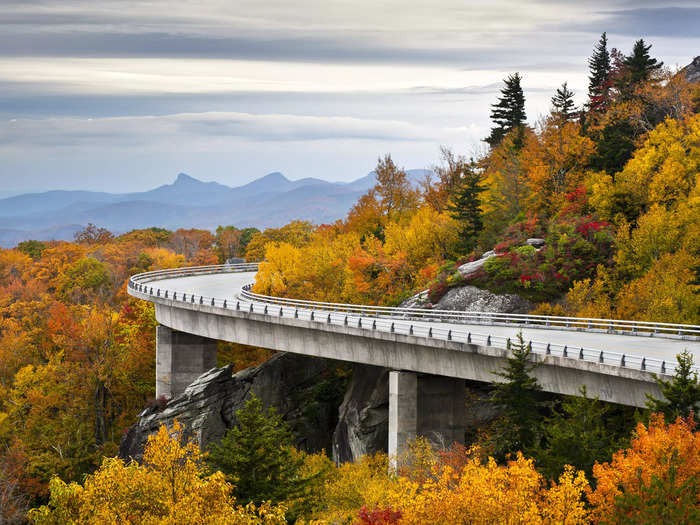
[{"x": 656, "y": 480}]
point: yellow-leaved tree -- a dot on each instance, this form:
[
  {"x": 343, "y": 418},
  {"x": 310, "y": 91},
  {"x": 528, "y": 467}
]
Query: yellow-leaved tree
[
  {"x": 170, "y": 486},
  {"x": 481, "y": 492},
  {"x": 429, "y": 237},
  {"x": 663, "y": 171},
  {"x": 296, "y": 233},
  {"x": 454, "y": 486}
]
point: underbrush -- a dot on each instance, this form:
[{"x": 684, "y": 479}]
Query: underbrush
[{"x": 574, "y": 247}]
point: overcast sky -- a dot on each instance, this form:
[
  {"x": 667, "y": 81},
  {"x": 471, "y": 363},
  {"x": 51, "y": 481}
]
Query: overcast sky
[{"x": 122, "y": 95}]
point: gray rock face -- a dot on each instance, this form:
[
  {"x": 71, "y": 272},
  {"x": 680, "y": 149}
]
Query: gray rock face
[
  {"x": 363, "y": 422},
  {"x": 295, "y": 385},
  {"x": 291, "y": 384},
  {"x": 692, "y": 70},
  {"x": 474, "y": 266},
  {"x": 471, "y": 298}
]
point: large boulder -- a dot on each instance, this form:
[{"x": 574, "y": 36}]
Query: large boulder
[
  {"x": 473, "y": 299},
  {"x": 306, "y": 391}
]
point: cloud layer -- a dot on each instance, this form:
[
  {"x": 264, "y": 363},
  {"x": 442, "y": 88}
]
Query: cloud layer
[
  {"x": 207, "y": 128},
  {"x": 116, "y": 91}
]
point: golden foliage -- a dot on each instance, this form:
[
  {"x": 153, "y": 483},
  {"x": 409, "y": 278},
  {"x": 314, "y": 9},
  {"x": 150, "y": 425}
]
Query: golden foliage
[
  {"x": 665, "y": 168},
  {"x": 352, "y": 485},
  {"x": 666, "y": 293},
  {"x": 428, "y": 238},
  {"x": 435, "y": 488},
  {"x": 506, "y": 184},
  {"x": 170, "y": 487},
  {"x": 296, "y": 233}
]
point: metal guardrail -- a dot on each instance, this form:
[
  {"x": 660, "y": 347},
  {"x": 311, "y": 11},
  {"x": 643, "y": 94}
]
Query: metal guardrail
[{"x": 420, "y": 322}]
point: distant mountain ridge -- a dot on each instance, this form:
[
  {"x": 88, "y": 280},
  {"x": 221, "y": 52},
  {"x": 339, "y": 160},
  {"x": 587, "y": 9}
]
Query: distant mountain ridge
[{"x": 269, "y": 201}]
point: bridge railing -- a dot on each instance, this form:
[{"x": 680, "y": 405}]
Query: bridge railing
[
  {"x": 643, "y": 328},
  {"x": 185, "y": 271},
  {"x": 419, "y": 322}
]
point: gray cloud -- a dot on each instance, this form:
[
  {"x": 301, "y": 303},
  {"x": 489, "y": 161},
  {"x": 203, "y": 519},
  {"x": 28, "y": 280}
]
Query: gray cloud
[
  {"x": 301, "y": 48},
  {"x": 675, "y": 22}
]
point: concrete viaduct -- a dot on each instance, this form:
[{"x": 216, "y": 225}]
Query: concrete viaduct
[{"x": 431, "y": 353}]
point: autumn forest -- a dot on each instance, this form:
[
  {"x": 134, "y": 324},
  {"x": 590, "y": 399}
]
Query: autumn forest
[{"x": 613, "y": 188}]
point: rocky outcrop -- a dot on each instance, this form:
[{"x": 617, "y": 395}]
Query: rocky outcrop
[
  {"x": 536, "y": 242},
  {"x": 306, "y": 391},
  {"x": 473, "y": 299},
  {"x": 363, "y": 421},
  {"x": 472, "y": 267},
  {"x": 692, "y": 70}
]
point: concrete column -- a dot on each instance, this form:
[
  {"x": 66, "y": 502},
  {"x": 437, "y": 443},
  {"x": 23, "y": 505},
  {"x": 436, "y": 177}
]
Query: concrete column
[
  {"x": 425, "y": 405},
  {"x": 180, "y": 359},
  {"x": 403, "y": 410}
]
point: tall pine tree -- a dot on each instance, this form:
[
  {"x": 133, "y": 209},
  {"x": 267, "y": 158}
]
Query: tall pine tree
[
  {"x": 563, "y": 107},
  {"x": 509, "y": 113},
  {"x": 599, "y": 79},
  {"x": 520, "y": 398},
  {"x": 639, "y": 65},
  {"x": 465, "y": 207},
  {"x": 681, "y": 395}
]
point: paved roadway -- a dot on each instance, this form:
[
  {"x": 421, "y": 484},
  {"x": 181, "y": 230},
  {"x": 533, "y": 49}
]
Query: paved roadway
[{"x": 228, "y": 285}]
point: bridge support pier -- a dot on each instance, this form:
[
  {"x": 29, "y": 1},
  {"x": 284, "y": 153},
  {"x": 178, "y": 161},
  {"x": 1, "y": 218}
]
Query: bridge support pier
[
  {"x": 180, "y": 359},
  {"x": 425, "y": 405}
]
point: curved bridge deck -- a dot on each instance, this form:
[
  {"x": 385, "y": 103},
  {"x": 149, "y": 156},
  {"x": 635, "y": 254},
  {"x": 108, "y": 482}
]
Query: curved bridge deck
[
  {"x": 616, "y": 360},
  {"x": 228, "y": 286}
]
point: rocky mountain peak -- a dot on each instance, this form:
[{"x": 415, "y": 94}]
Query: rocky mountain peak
[{"x": 184, "y": 179}]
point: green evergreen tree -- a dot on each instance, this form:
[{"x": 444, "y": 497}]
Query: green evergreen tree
[
  {"x": 577, "y": 435},
  {"x": 563, "y": 107},
  {"x": 681, "y": 395},
  {"x": 257, "y": 457},
  {"x": 599, "y": 79},
  {"x": 465, "y": 206},
  {"x": 520, "y": 398},
  {"x": 509, "y": 112},
  {"x": 614, "y": 147},
  {"x": 639, "y": 65}
]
